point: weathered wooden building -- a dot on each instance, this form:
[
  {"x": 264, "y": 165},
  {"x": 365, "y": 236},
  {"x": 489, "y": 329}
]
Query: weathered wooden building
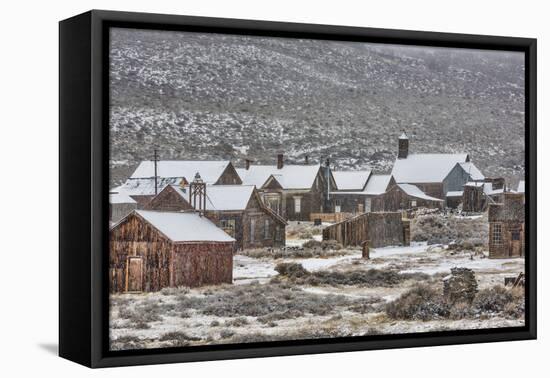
[
  {"x": 400, "y": 197},
  {"x": 474, "y": 198},
  {"x": 377, "y": 229},
  {"x": 120, "y": 205},
  {"x": 147, "y": 181},
  {"x": 291, "y": 191},
  {"x": 453, "y": 198},
  {"x": 478, "y": 195},
  {"x": 349, "y": 197},
  {"x": 433, "y": 174},
  {"x": 150, "y": 250},
  {"x": 237, "y": 209},
  {"x": 507, "y": 227},
  {"x": 355, "y": 202}
]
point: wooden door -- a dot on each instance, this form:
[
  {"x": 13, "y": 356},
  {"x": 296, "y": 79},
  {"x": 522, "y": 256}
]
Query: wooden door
[
  {"x": 134, "y": 274},
  {"x": 515, "y": 243}
]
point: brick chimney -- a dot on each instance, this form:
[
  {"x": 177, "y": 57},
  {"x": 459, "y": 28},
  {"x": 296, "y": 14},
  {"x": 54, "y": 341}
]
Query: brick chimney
[
  {"x": 280, "y": 161},
  {"x": 403, "y": 151},
  {"x": 247, "y": 163},
  {"x": 307, "y": 159}
]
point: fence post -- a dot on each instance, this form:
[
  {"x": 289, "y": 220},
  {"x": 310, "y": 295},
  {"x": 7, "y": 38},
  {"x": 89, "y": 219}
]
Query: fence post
[{"x": 366, "y": 250}]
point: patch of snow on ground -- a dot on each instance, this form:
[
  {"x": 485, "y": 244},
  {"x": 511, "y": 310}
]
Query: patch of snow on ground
[
  {"x": 414, "y": 248},
  {"x": 247, "y": 269},
  {"x": 324, "y": 263}
]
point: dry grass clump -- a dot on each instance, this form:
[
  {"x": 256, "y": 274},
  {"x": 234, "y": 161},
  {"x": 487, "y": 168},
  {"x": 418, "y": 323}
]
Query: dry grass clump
[
  {"x": 420, "y": 303},
  {"x": 465, "y": 233},
  {"x": 291, "y": 270},
  {"x": 425, "y": 303},
  {"x": 178, "y": 339},
  {"x": 280, "y": 301},
  {"x": 127, "y": 342},
  {"x": 311, "y": 248},
  {"x": 262, "y": 300},
  {"x": 239, "y": 322},
  {"x": 499, "y": 300},
  {"x": 372, "y": 277}
]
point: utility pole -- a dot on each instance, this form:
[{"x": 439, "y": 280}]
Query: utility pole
[{"x": 155, "y": 161}]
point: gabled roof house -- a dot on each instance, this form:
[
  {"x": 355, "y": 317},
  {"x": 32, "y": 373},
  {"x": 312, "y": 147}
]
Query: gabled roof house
[
  {"x": 434, "y": 174},
  {"x": 292, "y": 191}
]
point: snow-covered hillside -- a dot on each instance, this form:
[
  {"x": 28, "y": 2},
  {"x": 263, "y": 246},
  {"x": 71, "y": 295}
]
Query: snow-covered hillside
[{"x": 218, "y": 96}]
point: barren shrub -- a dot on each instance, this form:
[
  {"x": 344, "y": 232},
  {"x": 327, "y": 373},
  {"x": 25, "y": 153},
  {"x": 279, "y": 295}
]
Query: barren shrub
[
  {"x": 288, "y": 314},
  {"x": 226, "y": 333},
  {"x": 498, "y": 299},
  {"x": 466, "y": 233},
  {"x": 239, "y": 322},
  {"x": 127, "y": 342},
  {"x": 372, "y": 277},
  {"x": 139, "y": 315},
  {"x": 311, "y": 248},
  {"x": 261, "y": 300},
  {"x": 291, "y": 270},
  {"x": 142, "y": 325},
  {"x": 178, "y": 337},
  {"x": 461, "y": 310},
  {"x": 419, "y": 303},
  {"x": 180, "y": 290}
]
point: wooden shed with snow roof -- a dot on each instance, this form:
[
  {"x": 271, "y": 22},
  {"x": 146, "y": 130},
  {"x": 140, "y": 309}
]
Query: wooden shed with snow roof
[
  {"x": 291, "y": 191},
  {"x": 237, "y": 209},
  {"x": 150, "y": 250}
]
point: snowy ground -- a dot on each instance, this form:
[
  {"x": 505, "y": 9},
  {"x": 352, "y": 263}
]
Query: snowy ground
[{"x": 192, "y": 316}]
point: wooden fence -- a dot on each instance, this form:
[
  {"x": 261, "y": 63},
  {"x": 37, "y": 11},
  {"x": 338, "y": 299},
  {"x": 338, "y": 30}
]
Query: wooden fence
[{"x": 380, "y": 229}]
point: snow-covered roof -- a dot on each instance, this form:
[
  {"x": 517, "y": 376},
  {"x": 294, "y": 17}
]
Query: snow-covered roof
[
  {"x": 210, "y": 171},
  {"x": 425, "y": 168},
  {"x": 494, "y": 191},
  {"x": 184, "y": 227},
  {"x": 351, "y": 180},
  {"x": 145, "y": 186},
  {"x": 477, "y": 184},
  {"x": 289, "y": 176},
  {"x": 377, "y": 184},
  {"x": 120, "y": 198},
  {"x": 488, "y": 189},
  {"x": 521, "y": 186},
  {"x": 414, "y": 191},
  {"x": 472, "y": 170},
  {"x": 455, "y": 193},
  {"x": 223, "y": 197}
]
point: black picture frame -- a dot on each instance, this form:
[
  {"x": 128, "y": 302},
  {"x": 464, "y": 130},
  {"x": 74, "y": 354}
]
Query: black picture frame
[{"x": 83, "y": 181}]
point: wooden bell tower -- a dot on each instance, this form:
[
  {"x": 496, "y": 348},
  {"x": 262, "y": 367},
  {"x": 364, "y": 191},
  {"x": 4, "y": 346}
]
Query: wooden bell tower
[{"x": 197, "y": 194}]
